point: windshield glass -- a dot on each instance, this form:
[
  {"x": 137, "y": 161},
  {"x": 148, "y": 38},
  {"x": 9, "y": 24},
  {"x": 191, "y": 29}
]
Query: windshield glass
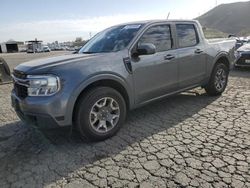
[{"x": 111, "y": 40}]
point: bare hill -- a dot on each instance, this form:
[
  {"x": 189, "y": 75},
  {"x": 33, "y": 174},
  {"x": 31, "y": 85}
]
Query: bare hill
[{"x": 233, "y": 18}]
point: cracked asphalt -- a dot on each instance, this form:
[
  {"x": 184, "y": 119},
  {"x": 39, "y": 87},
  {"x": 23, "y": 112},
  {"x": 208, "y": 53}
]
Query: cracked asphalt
[{"x": 188, "y": 140}]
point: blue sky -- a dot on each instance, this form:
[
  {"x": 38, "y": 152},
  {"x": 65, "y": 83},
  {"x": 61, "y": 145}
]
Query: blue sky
[{"x": 64, "y": 20}]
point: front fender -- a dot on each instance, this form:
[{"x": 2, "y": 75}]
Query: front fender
[{"x": 94, "y": 78}]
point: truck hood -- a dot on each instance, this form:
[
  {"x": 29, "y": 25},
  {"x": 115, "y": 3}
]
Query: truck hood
[{"x": 54, "y": 61}]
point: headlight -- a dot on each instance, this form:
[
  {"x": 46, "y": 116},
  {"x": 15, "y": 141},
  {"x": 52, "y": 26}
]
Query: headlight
[{"x": 46, "y": 85}]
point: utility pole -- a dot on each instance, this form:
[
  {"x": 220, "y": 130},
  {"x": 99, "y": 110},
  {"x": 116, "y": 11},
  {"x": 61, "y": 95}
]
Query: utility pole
[
  {"x": 168, "y": 15},
  {"x": 216, "y": 3},
  {"x": 90, "y": 35}
]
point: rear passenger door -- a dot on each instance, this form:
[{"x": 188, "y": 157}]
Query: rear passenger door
[{"x": 191, "y": 56}]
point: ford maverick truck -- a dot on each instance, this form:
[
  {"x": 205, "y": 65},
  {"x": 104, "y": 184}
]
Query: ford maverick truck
[{"x": 121, "y": 68}]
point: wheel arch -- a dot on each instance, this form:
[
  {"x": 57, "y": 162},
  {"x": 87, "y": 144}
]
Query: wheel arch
[
  {"x": 111, "y": 81},
  {"x": 222, "y": 58},
  {"x": 210, "y": 86}
]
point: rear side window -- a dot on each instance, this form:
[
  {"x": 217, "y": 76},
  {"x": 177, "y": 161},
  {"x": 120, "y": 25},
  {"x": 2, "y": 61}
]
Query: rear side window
[
  {"x": 160, "y": 36},
  {"x": 187, "y": 35}
]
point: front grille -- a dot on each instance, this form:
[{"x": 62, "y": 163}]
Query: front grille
[
  {"x": 20, "y": 83},
  {"x": 245, "y": 55},
  {"x": 19, "y": 74},
  {"x": 20, "y": 90},
  {"x": 242, "y": 61}
]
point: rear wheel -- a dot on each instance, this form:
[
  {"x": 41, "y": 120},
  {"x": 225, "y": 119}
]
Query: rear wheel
[
  {"x": 218, "y": 80},
  {"x": 100, "y": 113}
]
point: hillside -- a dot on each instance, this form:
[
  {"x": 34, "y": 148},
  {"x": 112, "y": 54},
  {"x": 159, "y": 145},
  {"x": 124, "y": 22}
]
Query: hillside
[
  {"x": 213, "y": 33},
  {"x": 233, "y": 18}
]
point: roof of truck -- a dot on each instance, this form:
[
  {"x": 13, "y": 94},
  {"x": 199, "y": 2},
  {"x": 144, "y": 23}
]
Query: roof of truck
[{"x": 160, "y": 20}]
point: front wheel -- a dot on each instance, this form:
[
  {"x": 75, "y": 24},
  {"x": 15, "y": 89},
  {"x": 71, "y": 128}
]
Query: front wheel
[
  {"x": 218, "y": 80},
  {"x": 100, "y": 113}
]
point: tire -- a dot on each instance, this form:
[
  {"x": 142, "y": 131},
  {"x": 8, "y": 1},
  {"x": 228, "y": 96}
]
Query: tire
[
  {"x": 96, "y": 113},
  {"x": 218, "y": 80}
]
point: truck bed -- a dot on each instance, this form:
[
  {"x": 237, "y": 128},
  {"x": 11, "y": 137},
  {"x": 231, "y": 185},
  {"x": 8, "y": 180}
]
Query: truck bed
[{"x": 221, "y": 40}]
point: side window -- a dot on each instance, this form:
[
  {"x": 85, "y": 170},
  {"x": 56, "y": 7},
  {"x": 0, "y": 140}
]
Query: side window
[
  {"x": 160, "y": 36},
  {"x": 187, "y": 35}
]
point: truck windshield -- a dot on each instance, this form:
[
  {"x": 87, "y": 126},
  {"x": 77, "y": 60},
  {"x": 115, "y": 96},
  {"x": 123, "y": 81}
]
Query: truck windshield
[{"x": 111, "y": 40}]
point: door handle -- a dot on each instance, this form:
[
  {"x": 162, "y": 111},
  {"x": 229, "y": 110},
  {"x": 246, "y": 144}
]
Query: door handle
[
  {"x": 169, "y": 57},
  {"x": 198, "y": 51}
]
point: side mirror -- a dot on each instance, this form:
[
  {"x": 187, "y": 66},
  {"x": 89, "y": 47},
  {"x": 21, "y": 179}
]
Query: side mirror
[
  {"x": 232, "y": 35},
  {"x": 146, "y": 49}
]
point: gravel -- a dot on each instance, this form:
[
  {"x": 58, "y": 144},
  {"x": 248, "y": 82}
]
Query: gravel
[{"x": 187, "y": 140}]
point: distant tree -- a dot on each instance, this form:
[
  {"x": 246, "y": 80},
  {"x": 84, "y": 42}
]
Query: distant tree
[
  {"x": 204, "y": 28},
  {"x": 78, "y": 39},
  {"x": 79, "y": 42}
]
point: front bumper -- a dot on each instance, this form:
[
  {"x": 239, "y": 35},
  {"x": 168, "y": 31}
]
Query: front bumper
[
  {"x": 42, "y": 112},
  {"x": 243, "y": 60}
]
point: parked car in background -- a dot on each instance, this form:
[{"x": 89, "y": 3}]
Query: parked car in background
[
  {"x": 240, "y": 41},
  {"x": 243, "y": 56},
  {"x": 238, "y": 44},
  {"x": 57, "y": 48},
  {"x": 46, "y": 49},
  {"x": 121, "y": 68},
  {"x": 29, "y": 50}
]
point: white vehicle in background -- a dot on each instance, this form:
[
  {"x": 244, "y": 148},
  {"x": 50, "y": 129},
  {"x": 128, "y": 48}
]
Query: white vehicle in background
[
  {"x": 248, "y": 38},
  {"x": 46, "y": 49}
]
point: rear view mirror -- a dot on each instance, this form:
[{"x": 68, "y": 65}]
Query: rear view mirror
[{"x": 146, "y": 49}]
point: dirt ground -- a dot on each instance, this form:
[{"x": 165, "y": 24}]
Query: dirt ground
[{"x": 189, "y": 140}]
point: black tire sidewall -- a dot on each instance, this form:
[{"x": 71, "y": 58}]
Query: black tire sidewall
[
  {"x": 85, "y": 105},
  {"x": 211, "y": 88}
]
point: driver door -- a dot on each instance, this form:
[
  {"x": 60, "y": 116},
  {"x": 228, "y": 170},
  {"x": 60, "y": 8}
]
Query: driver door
[{"x": 155, "y": 75}]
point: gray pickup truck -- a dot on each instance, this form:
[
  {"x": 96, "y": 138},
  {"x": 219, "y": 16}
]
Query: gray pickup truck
[{"x": 121, "y": 68}]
